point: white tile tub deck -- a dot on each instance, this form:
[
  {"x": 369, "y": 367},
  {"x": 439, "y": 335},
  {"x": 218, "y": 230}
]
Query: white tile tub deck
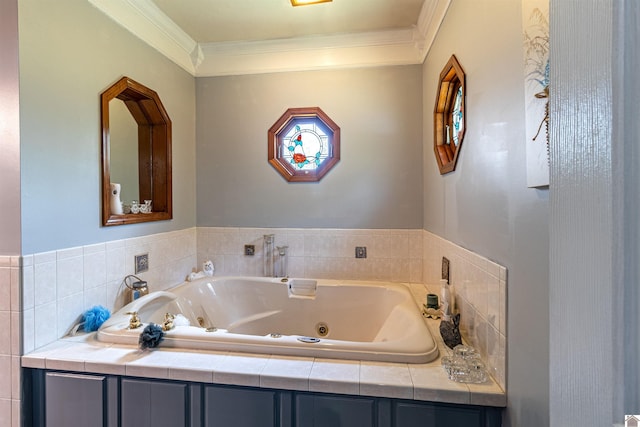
[{"x": 425, "y": 382}]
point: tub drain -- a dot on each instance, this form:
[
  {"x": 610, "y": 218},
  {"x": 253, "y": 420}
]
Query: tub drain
[
  {"x": 322, "y": 329},
  {"x": 309, "y": 339}
]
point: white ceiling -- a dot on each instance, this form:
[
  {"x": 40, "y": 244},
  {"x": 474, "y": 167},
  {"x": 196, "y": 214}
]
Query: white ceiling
[
  {"x": 209, "y": 21},
  {"x": 232, "y": 37}
]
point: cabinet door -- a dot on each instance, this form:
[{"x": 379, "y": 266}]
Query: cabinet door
[
  {"x": 77, "y": 400},
  {"x": 333, "y": 411},
  {"x": 239, "y": 407},
  {"x": 146, "y": 403},
  {"x": 409, "y": 415}
]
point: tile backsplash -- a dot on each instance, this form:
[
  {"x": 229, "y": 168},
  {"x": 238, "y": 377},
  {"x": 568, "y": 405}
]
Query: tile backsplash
[
  {"x": 392, "y": 255},
  {"x": 480, "y": 288},
  {"x": 58, "y": 286}
]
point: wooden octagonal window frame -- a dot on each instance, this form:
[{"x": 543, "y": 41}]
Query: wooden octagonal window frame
[
  {"x": 447, "y": 139},
  {"x": 290, "y": 154}
]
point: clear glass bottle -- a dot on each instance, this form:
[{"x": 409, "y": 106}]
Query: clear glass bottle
[
  {"x": 445, "y": 299},
  {"x": 283, "y": 262},
  {"x": 268, "y": 255}
]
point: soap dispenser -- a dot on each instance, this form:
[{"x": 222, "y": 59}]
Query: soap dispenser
[{"x": 136, "y": 289}]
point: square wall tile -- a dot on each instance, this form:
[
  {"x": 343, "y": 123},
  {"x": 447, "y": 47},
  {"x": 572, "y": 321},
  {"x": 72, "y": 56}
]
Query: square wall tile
[
  {"x": 5, "y": 333},
  {"x": 45, "y": 324},
  {"x": 5, "y": 288},
  {"x": 5, "y": 413},
  {"x": 94, "y": 267},
  {"x": 28, "y": 331},
  {"x": 5, "y": 374},
  {"x": 69, "y": 276},
  {"x": 27, "y": 287},
  {"x": 44, "y": 282},
  {"x": 115, "y": 261}
]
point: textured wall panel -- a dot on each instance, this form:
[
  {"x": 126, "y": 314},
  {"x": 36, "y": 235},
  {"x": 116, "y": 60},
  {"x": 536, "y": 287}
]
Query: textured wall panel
[
  {"x": 581, "y": 215},
  {"x": 626, "y": 195}
]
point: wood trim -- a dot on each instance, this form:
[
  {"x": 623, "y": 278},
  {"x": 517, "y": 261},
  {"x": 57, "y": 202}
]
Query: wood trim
[
  {"x": 282, "y": 126},
  {"x": 154, "y": 151},
  {"x": 452, "y": 78}
]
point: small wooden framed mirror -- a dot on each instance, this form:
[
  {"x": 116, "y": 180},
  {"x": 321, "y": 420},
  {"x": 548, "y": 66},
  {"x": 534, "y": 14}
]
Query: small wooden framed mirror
[
  {"x": 449, "y": 116},
  {"x": 136, "y": 155}
]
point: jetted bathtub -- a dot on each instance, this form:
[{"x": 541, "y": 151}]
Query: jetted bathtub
[{"x": 298, "y": 317}]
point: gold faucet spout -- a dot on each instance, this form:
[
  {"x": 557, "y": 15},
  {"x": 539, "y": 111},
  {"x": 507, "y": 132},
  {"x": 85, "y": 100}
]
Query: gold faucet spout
[
  {"x": 168, "y": 322},
  {"x": 134, "y": 321}
]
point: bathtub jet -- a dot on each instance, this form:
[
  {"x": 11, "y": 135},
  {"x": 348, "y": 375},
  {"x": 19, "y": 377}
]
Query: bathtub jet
[{"x": 337, "y": 319}]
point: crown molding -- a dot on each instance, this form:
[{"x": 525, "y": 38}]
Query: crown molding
[
  {"x": 429, "y": 21},
  {"x": 397, "y": 47},
  {"x": 147, "y": 22},
  {"x": 313, "y": 53}
]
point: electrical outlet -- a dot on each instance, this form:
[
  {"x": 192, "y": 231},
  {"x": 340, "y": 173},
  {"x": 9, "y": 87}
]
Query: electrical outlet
[
  {"x": 142, "y": 263},
  {"x": 361, "y": 251},
  {"x": 249, "y": 250},
  {"x": 445, "y": 268}
]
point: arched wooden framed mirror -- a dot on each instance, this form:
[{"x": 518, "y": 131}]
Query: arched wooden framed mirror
[
  {"x": 449, "y": 116},
  {"x": 148, "y": 178}
]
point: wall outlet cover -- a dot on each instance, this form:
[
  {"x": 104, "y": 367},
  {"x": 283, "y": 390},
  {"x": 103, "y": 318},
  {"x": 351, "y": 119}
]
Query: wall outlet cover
[
  {"x": 142, "y": 263},
  {"x": 249, "y": 250},
  {"x": 445, "y": 268},
  {"x": 361, "y": 251}
]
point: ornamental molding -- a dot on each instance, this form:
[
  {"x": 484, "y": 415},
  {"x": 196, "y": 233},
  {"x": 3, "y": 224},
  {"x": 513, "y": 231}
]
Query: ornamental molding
[{"x": 395, "y": 47}]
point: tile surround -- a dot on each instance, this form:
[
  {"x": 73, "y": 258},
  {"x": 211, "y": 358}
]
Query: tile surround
[
  {"x": 408, "y": 256},
  {"x": 324, "y": 372},
  {"x": 480, "y": 287},
  {"x": 57, "y": 286},
  {"x": 286, "y": 372},
  {"x": 426, "y": 381},
  {"x": 392, "y": 255},
  {"x": 10, "y": 341}
]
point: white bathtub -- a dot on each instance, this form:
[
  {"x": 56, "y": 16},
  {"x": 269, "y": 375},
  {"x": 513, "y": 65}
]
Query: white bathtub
[{"x": 336, "y": 319}]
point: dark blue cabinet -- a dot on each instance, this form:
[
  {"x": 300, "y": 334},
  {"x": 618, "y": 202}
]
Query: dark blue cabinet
[
  {"x": 334, "y": 411},
  {"x": 78, "y": 399},
  {"x": 62, "y": 399},
  {"x": 408, "y": 414},
  {"x": 150, "y": 403},
  {"x": 246, "y": 407}
]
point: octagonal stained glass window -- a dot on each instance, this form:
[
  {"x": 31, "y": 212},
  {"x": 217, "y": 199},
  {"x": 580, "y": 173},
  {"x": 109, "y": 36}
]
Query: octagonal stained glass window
[{"x": 304, "y": 144}]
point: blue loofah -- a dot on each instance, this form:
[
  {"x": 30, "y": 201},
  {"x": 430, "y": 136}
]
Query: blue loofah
[
  {"x": 95, "y": 317},
  {"x": 151, "y": 336}
]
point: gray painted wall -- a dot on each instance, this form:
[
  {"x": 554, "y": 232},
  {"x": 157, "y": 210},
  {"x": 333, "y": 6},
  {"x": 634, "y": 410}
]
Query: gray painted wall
[
  {"x": 69, "y": 53},
  {"x": 9, "y": 131},
  {"x": 376, "y": 184},
  {"x": 485, "y": 204}
]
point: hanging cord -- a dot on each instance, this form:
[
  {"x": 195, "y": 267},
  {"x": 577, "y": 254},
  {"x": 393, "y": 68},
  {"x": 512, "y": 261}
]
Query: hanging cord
[{"x": 139, "y": 282}]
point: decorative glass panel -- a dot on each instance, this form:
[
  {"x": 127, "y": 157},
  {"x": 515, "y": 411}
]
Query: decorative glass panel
[
  {"x": 457, "y": 117},
  {"x": 304, "y": 144}
]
